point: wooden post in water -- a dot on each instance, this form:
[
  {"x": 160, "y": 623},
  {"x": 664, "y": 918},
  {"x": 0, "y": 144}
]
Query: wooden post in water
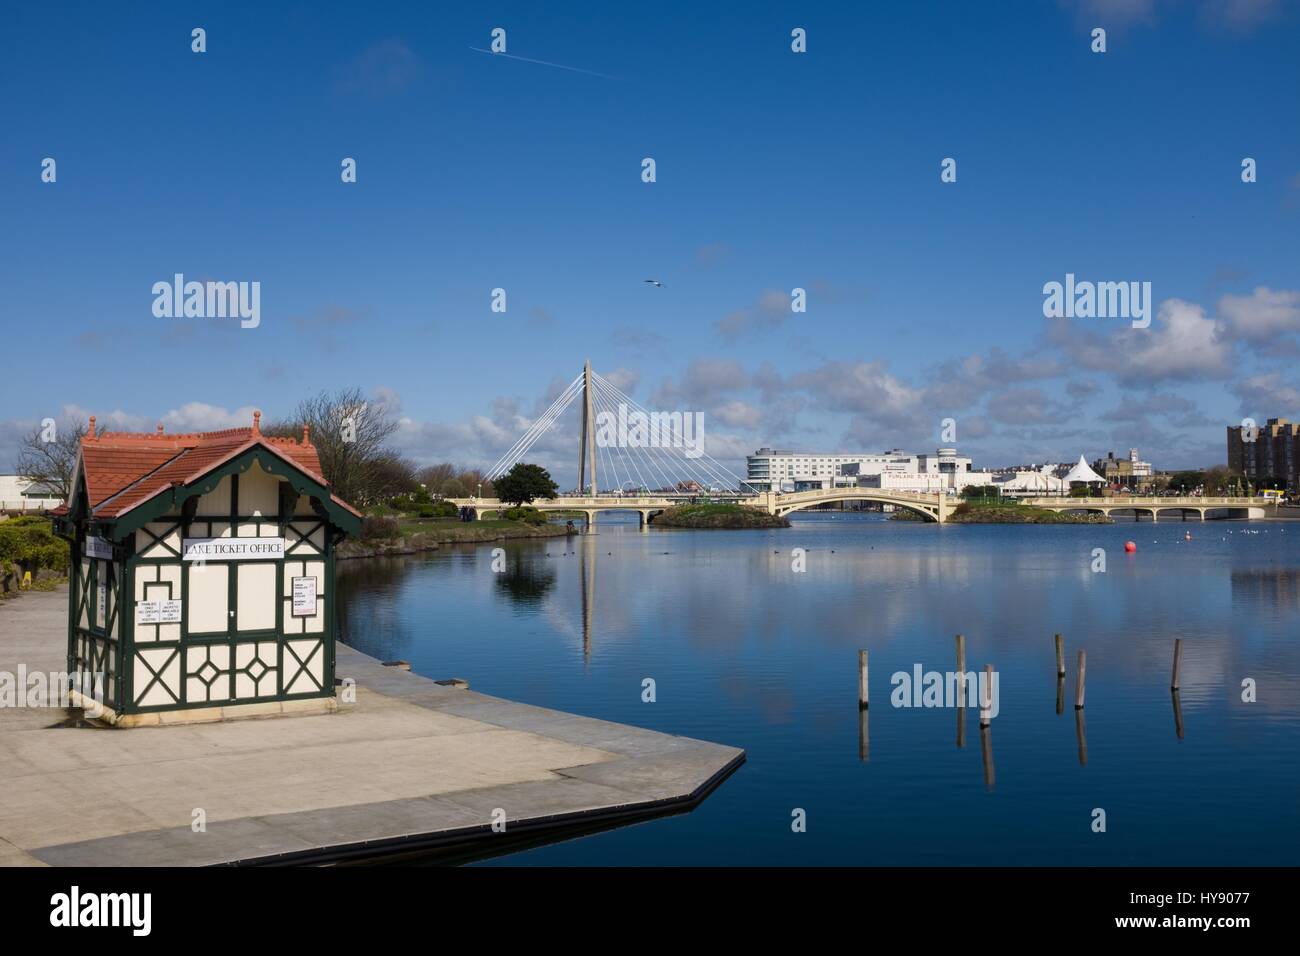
[
  {"x": 1060, "y": 656},
  {"x": 864, "y": 736},
  {"x": 1083, "y": 673},
  {"x": 986, "y": 755},
  {"x": 986, "y": 697},
  {"x": 862, "y": 680},
  {"x": 961, "y": 662},
  {"x": 1178, "y": 715},
  {"x": 1060, "y": 694},
  {"x": 1178, "y": 662}
]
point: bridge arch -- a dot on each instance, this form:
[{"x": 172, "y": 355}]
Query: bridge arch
[{"x": 926, "y": 510}]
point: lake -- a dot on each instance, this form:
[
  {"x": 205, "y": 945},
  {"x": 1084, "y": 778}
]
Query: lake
[{"x": 746, "y": 651}]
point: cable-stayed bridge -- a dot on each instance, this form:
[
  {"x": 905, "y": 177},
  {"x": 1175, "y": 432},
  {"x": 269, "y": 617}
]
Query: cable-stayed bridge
[
  {"x": 633, "y": 459},
  {"x": 627, "y": 449}
]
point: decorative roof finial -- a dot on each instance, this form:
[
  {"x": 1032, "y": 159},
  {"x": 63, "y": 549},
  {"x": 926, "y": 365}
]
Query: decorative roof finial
[
  {"x": 92, "y": 427},
  {"x": 160, "y": 428},
  {"x": 257, "y": 422},
  {"x": 306, "y": 434}
]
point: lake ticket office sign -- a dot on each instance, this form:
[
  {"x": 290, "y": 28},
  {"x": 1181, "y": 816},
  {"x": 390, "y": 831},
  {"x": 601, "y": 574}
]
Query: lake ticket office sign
[{"x": 233, "y": 549}]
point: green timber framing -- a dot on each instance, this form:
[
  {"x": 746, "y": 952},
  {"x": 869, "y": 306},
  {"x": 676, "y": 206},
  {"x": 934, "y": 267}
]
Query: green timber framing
[{"x": 176, "y": 506}]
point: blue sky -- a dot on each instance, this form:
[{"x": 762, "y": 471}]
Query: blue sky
[{"x": 775, "y": 170}]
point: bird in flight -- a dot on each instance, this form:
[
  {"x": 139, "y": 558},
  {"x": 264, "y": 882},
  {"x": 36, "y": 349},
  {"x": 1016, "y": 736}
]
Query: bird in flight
[{"x": 656, "y": 283}]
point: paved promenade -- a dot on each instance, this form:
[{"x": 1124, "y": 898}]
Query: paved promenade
[{"x": 411, "y": 766}]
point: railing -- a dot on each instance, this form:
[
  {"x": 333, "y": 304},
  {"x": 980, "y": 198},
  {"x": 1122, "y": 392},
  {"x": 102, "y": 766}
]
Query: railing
[
  {"x": 23, "y": 505},
  {"x": 1118, "y": 501}
]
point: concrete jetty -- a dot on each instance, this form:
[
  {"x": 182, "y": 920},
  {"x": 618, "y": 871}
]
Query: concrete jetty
[{"x": 411, "y": 767}]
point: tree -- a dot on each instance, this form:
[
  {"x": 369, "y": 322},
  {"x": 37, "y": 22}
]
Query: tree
[
  {"x": 1218, "y": 480},
  {"x": 349, "y": 432},
  {"x": 48, "y": 455},
  {"x": 472, "y": 479},
  {"x": 433, "y": 476},
  {"x": 524, "y": 482},
  {"x": 391, "y": 475},
  {"x": 452, "y": 488}
]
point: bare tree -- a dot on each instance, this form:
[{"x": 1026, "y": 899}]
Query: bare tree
[
  {"x": 472, "y": 479},
  {"x": 48, "y": 456},
  {"x": 349, "y": 432},
  {"x": 433, "y": 476}
]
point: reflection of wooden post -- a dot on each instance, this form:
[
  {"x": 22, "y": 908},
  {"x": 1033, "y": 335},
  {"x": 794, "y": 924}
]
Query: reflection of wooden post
[
  {"x": 1082, "y": 732},
  {"x": 1178, "y": 662},
  {"x": 1083, "y": 673},
  {"x": 986, "y": 698},
  {"x": 1060, "y": 655},
  {"x": 961, "y": 690},
  {"x": 1178, "y": 715},
  {"x": 986, "y": 754},
  {"x": 864, "y": 736},
  {"x": 862, "y": 680}
]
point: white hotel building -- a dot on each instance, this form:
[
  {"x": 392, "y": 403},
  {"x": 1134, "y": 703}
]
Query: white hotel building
[{"x": 770, "y": 468}]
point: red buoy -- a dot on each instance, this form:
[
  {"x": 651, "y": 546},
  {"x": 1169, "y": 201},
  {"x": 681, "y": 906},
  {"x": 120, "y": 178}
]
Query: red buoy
[{"x": 1130, "y": 547}]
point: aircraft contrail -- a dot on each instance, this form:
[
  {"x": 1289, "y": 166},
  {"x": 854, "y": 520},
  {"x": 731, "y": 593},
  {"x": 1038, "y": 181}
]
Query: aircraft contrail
[{"x": 558, "y": 66}]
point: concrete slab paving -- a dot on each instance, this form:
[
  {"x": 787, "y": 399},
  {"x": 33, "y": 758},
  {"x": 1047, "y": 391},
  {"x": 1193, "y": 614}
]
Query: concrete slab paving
[{"x": 411, "y": 765}]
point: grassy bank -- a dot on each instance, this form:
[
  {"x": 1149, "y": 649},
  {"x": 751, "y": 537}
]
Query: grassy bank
[
  {"x": 974, "y": 512},
  {"x": 718, "y": 516},
  {"x": 415, "y": 535}
]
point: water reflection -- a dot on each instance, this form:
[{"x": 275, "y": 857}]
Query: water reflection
[
  {"x": 526, "y": 580},
  {"x": 1279, "y": 587},
  {"x": 747, "y": 651}
]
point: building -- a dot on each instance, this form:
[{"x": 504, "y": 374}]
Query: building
[
  {"x": 1030, "y": 482},
  {"x": 1082, "y": 474},
  {"x": 1128, "y": 472},
  {"x": 1266, "y": 455},
  {"x": 945, "y": 471},
  {"x": 18, "y": 493},
  {"x": 202, "y": 574},
  {"x": 768, "y": 468}
]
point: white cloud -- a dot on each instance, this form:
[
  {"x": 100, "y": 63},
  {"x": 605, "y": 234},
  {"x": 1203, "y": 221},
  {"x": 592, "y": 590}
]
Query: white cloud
[
  {"x": 1263, "y": 314},
  {"x": 1182, "y": 344}
]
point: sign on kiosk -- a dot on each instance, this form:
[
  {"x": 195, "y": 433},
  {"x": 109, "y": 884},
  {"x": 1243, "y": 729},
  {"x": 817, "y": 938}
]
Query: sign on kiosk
[
  {"x": 304, "y": 597},
  {"x": 233, "y": 549}
]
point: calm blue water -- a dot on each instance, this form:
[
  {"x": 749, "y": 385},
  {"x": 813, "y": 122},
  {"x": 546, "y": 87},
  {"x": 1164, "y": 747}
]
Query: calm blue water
[{"x": 747, "y": 652}]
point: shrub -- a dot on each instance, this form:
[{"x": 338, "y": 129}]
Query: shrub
[
  {"x": 27, "y": 543},
  {"x": 526, "y": 515},
  {"x": 445, "y": 509},
  {"x": 375, "y": 527}
]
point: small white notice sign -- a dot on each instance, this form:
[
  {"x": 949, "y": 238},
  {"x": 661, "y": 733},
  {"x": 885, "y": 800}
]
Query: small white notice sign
[
  {"x": 157, "y": 612},
  {"x": 232, "y": 549},
  {"x": 99, "y": 548},
  {"x": 304, "y": 597}
]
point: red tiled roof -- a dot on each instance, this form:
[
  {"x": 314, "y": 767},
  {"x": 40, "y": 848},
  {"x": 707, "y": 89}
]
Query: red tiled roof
[{"x": 123, "y": 470}]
